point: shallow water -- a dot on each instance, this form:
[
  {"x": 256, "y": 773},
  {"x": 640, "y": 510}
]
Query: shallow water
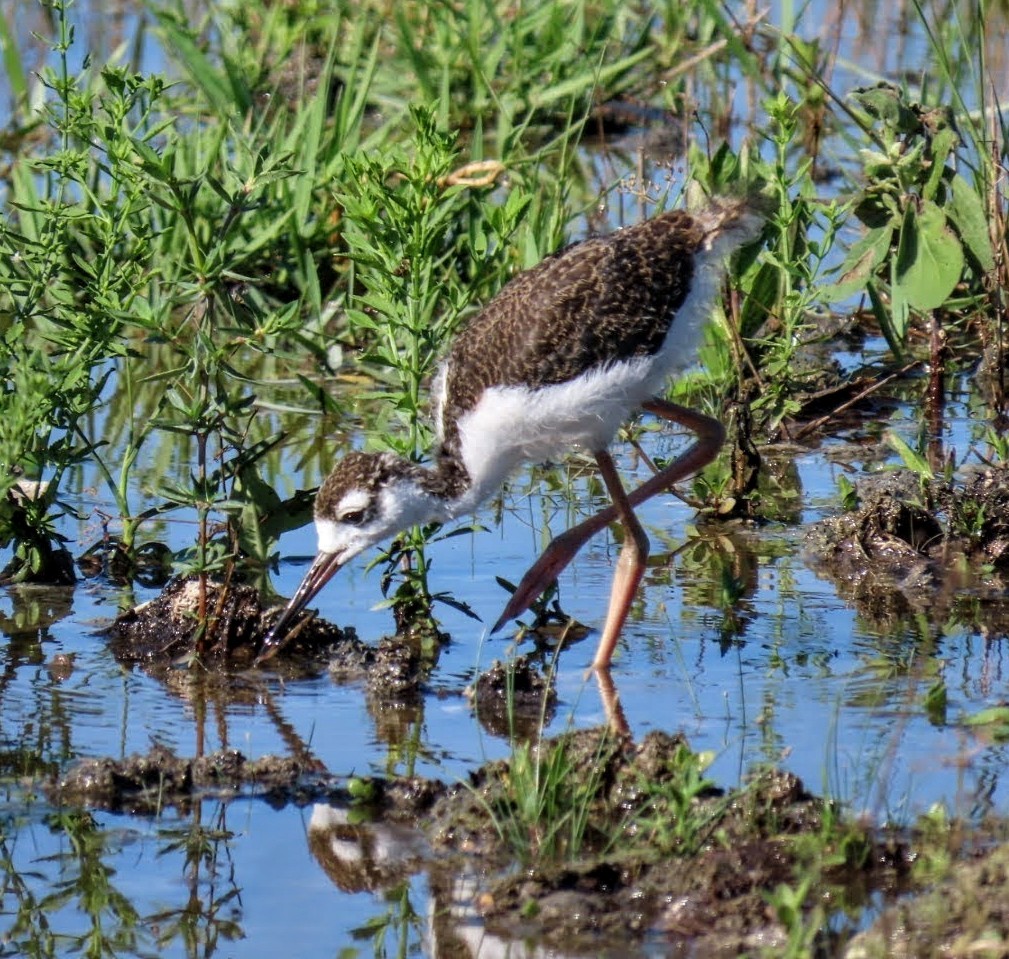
[
  {"x": 784, "y": 673},
  {"x": 734, "y": 640}
]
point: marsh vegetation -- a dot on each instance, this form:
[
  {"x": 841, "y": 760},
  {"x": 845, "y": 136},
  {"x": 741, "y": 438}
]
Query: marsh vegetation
[{"x": 236, "y": 239}]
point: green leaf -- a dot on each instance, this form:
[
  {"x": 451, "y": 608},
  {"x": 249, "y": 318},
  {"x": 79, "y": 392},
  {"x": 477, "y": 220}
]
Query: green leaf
[
  {"x": 991, "y": 716},
  {"x": 541, "y": 97},
  {"x": 884, "y": 317},
  {"x": 150, "y": 159},
  {"x": 929, "y": 257},
  {"x": 887, "y": 104},
  {"x": 967, "y": 215},
  {"x": 17, "y": 77},
  {"x": 226, "y": 98},
  {"x": 912, "y": 459},
  {"x": 860, "y": 264},
  {"x": 761, "y": 299},
  {"x": 941, "y": 147}
]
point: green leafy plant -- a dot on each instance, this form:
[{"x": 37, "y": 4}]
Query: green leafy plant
[
  {"x": 138, "y": 236},
  {"x": 783, "y": 288},
  {"x": 802, "y": 924},
  {"x": 422, "y": 247},
  {"x": 667, "y": 816},
  {"x": 927, "y": 232},
  {"x": 544, "y": 808}
]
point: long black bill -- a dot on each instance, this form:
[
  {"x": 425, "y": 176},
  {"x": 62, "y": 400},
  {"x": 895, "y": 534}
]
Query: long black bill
[{"x": 322, "y": 570}]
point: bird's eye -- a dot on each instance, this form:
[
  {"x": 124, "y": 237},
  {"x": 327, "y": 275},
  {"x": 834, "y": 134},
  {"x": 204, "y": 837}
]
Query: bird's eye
[{"x": 354, "y": 517}]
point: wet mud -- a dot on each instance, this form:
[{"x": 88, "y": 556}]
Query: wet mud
[
  {"x": 148, "y": 783},
  {"x": 663, "y": 852},
  {"x": 162, "y": 636},
  {"x": 514, "y": 698},
  {"x": 915, "y": 545},
  {"x": 663, "y": 855},
  {"x": 166, "y": 632}
]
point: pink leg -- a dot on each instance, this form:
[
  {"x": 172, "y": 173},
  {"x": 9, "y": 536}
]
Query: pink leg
[
  {"x": 630, "y": 565},
  {"x": 560, "y": 552},
  {"x": 610, "y": 698}
]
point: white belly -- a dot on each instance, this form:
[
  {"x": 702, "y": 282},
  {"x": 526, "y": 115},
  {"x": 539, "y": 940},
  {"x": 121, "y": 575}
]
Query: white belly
[{"x": 513, "y": 424}]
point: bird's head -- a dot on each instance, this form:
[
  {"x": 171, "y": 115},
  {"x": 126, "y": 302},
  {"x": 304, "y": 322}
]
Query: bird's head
[{"x": 367, "y": 498}]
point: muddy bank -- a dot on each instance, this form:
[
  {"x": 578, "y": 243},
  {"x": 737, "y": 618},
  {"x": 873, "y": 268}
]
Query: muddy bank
[{"x": 663, "y": 851}]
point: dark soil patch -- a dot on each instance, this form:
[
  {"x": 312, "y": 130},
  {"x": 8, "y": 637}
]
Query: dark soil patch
[
  {"x": 146, "y": 784},
  {"x": 514, "y": 698},
  {"x": 162, "y": 635},
  {"x": 916, "y": 546}
]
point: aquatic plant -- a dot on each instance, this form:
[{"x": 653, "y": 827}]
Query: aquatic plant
[{"x": 927, "y": 229}]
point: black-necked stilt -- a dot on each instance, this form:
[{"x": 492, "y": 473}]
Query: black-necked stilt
[{"x": 560, "y": 357}]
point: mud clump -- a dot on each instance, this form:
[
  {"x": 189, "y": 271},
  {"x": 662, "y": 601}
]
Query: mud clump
[
  {"x": 147, "y": 783},
  {"x": 922, "y": 546},
  {"x": 514, "y": 699},
  {"x": 165, "y": 632},
  {"x": 662, "y": 849},
  {"x": 162, "y": 635}
]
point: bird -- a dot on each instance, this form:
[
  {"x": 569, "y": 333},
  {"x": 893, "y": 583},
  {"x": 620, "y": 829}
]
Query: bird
[{"x": 561, "y": 357}]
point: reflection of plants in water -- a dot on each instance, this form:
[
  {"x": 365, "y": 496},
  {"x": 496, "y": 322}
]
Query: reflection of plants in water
[
  {"x": 207, "y": 917},
  {"x": 86, "y": 882},
  {"x": 392, "y": 931},
  {"x": 48, "y": 923},
  {"x": 30, "y": 932},
  {"x": 719, "y": 573}
]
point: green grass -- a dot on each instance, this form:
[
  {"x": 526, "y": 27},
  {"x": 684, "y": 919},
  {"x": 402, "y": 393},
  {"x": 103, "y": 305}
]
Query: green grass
[{"x": 264, "y": 247}]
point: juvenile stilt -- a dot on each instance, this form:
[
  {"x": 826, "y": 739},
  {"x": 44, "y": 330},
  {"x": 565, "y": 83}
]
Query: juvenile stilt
[{"x": 559, "y": 358}]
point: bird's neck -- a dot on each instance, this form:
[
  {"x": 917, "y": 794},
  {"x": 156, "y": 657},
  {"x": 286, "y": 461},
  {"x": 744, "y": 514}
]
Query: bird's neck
[
  {"x": 448, "y": 482},
  {"x": 441, "y": 491}
]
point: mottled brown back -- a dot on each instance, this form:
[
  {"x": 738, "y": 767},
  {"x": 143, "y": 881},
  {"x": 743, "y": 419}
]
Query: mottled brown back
[{"x": 608, "y": 298}]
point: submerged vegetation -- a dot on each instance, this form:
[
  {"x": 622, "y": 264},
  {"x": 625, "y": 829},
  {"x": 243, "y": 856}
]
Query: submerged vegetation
[{"x": 217, "y": 274}]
